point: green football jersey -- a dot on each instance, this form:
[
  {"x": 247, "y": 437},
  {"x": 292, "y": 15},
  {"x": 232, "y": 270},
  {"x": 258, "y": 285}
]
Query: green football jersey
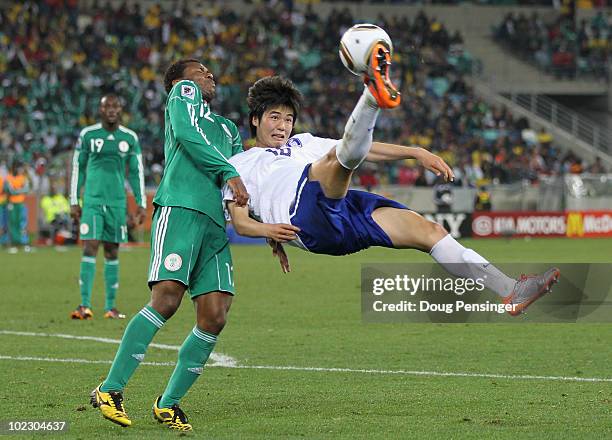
[
  {"x": 197, "y": 146},
  {"x": 100, "y": 160}
]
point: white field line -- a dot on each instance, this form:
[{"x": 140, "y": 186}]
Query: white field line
[
  {"x": 332, "y": 370},
  {"x": 221, "y": 360},
  {"x": 216, "y": 358}
]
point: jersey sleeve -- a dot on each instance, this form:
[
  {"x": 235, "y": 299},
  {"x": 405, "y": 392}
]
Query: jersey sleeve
[
  {"x": 237, "y": 146},
  {"x": 79, "y": 165},
  {"x": 136, "y": 173},
  {"x": 183, "y": 103}
]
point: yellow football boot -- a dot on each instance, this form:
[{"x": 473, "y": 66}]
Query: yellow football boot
[
  {"x": 111, "y": 406},
  {"x": 173, "y": 418}
]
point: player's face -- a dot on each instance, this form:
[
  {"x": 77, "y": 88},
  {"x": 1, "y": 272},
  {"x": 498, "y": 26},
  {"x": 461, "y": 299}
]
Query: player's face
[
  {"x": 274, "y": 127},
  {"x": 110, "y": 109},
  {"x": 200, "y": 75}
]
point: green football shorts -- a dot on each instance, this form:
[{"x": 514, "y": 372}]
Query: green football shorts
[
  {"x": 188, "y": 246},
  {"x": 104, "y": 223}
]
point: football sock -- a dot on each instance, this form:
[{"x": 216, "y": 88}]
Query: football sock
[
  {"x": 111, "y": 282},
  {"x": 137, "y": 337},
  {"x": 86, "y": 279},
  {"x": 191, "y": 359},
  {"x": 357, "y": 139},
  {"x": 466, "y": 263}
]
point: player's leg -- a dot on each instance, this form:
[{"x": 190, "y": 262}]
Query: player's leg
[
  {"x": 171, "y": 235},
  {"x": 111, "y": 279},
  {"x": 86, "y": 279},
  {"x": 211, "y": 311},
  {"x": 91, "y": 228},
  {"x": 14, "y": 220},
  {"x": 212, "y": 287},
  {"x": 3, "y": 225},
  {"x": 335, "y": 169},
  {"x": 409, "y": 230},
  {"x": 24, "y": 238},
  {"x": 115, "y": 232},
  {"x": 108, "y": 396}
]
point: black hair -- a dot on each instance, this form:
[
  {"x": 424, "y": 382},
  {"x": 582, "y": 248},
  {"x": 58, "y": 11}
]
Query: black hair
[
  {"x": 272, "y": 91},
  {"x": 112, "y": 95},
  {"x": 176, "y": 71}
]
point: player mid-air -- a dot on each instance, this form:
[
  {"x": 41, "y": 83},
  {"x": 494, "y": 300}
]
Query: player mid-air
[
  {"x": 302, "y": 184},
  {"x": 103, "y": 150}
]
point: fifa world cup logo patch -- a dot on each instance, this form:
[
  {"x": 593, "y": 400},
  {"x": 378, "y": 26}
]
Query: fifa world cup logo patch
[{"x": 173, "y": 262}]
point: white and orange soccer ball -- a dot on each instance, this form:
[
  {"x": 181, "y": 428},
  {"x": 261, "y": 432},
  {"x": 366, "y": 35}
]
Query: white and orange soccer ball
[{"x": 356, "y": 45}]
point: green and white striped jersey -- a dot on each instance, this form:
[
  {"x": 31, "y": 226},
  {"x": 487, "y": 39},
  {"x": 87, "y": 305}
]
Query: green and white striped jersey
[
  {"x": 198, "y": 144},
  {"x": 99, "y": 162}
]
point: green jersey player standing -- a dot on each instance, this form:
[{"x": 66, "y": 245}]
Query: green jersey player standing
[
  {"x": 103, "y": 152},
  {"x": 189, "y": 246}
]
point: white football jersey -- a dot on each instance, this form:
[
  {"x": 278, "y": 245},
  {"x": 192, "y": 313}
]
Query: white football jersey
[{"x": 271, "y": 174}]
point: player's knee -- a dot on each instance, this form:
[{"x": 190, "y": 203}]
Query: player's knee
[
  {"x": 213, "y": 322},
  {"x": 111, "y": 251},
  {"x": 435, "y": 232},
  {"x": 166, "y": 298},
  {"x": 90, "y": 248}
]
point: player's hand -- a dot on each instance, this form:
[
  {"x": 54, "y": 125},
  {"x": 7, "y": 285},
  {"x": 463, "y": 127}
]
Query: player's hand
[
  {"x": 279, "y": 252},
  {"x": 436, "y": 164},
  {"x": 75, "y": 213},
  {"x": 140, "y": 215},
  {"x": 281, "y": 232},
  {"x": 241, "y": 196}
]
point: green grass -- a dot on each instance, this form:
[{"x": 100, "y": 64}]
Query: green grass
[{"x": 310, "y": 318}]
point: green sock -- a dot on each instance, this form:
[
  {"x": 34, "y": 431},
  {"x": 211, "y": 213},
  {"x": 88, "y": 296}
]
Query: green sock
[
  {"x": 86, "y": 279},
  {"x": 137, "y": 337},
  {"x": 111, "y": 282},
  {"x": 191, "y": 359}
]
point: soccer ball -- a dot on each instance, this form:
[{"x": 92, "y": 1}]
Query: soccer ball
[{"x": 356, "y": 44}]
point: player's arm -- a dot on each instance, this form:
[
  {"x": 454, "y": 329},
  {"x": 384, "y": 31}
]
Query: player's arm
[
  {"x": 77, "y": 178},
  {"x": 136, "y": 180},
  {"x": 182, "y": 110},
  {"x": 383, "y": 152},
  {"x": 248, "y": 227}
]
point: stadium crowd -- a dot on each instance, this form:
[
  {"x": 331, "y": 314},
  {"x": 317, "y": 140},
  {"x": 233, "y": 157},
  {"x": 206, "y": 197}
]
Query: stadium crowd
[
  {"x": 57, "y": 57},
  {"x": 562, "y": 47}
]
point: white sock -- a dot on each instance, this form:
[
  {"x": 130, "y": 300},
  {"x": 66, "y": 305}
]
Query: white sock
[
  {"x": 466, "y": 263},
  {"x": 357, "y": 139}
]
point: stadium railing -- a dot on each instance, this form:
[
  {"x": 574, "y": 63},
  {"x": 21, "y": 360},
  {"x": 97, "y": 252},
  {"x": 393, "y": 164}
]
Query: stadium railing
[{"x": 578, "y": 125}]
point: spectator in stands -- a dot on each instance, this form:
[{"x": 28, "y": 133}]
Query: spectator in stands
[
  {"x": 597, "y": 167},
  {"x": 560, "y": 46},
  {"x": 56, "y": 215},
  {"x": 55, "y": 74},
  {"x": 483, "y": 199},
  {"x": 3, "y": 211},
  {"x": 17, "y": 186},
  {"x": 443, "y": 195}
]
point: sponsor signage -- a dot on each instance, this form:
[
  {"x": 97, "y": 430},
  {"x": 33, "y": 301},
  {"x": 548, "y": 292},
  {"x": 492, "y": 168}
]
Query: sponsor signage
[
  {"x": 542, "y": 224},
  {"x": 456, "y": 223}
]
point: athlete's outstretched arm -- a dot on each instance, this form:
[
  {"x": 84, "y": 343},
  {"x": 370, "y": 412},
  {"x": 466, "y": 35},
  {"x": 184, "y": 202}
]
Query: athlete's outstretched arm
[
  {"x": 382, "y": 152},
  {"x": 248, "y": 227}
]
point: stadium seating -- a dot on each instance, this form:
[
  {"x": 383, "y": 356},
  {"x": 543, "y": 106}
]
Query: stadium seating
[
  {"x": 57, "y": 58},
  {"x": 561, "y": 47}
]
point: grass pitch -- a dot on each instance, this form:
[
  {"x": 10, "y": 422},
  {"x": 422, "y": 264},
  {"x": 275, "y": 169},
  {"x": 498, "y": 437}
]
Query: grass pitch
[{"x": 281, "y": 325}]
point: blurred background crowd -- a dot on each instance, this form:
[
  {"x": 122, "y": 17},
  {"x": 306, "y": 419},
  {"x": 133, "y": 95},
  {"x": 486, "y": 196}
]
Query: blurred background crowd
[
  {"x": 562, "y": 47},
  {"x": 57, "y": 57}
]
